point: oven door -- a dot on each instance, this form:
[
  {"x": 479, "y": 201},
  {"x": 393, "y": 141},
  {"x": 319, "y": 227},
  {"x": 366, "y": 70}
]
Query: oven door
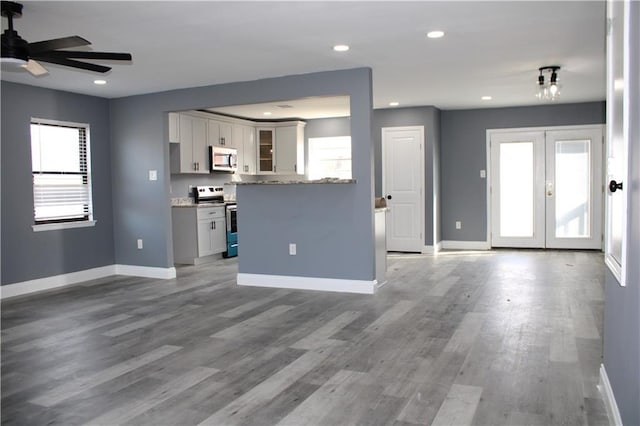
[{"x": 232, "y": 221}]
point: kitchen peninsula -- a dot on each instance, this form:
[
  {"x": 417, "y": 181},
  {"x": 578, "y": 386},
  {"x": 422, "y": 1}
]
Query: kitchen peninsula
[{"x": 292, "y": 235}]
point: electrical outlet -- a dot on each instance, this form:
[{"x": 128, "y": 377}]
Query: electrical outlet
[
  {"x": 153, "y": 175},
  {"x": 458, "y": 224},
  {"x": 292, "y": 249},
  {"x": 139, "y": 243}
]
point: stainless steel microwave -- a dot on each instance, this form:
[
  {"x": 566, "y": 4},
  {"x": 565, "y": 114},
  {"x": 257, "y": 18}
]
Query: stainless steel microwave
[{"x": 223, "y": 159}]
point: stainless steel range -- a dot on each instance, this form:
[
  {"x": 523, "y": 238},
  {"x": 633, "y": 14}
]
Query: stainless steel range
[{"x": 215, "y": 195}]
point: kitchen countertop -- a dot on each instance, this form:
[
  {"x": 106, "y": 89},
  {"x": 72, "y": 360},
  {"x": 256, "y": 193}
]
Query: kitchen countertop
[
  {"x": 188, "y": 202},
  {"x": 297, "y": 182}
]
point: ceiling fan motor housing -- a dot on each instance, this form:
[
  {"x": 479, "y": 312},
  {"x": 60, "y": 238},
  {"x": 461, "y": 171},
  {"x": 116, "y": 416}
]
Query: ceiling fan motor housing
[{"x": 13, "y": 46}]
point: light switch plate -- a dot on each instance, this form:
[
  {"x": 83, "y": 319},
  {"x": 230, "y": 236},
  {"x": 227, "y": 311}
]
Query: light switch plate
[
  {"x": 483, "y": 174},
  {"x": 153, "y": 175}
]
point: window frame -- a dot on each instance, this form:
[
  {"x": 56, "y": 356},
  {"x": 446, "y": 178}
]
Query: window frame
[{"x": 50, "y": 225}]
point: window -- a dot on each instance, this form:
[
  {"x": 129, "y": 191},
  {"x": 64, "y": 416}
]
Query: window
[
  {"x": 330, "y": 157},
  {"x": 61, "y": 175}
]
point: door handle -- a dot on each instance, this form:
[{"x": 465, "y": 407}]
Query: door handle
[
  {"x": 389, "y": 197},
  {"x": 614, "y": 186}
]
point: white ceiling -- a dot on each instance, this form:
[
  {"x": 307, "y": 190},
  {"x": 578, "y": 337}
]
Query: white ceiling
[{"x": 490, "y": 48}]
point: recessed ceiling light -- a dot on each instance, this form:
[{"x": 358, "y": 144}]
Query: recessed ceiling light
[
  {"x": 100, "y": 82},
  {"x": 435, "y": 34},
  {"x": 394, "y": 103},
  {"x": 340, "y": 47},
  {"x": 486, "y": 98},
  {"x": 266, "y": 113}
]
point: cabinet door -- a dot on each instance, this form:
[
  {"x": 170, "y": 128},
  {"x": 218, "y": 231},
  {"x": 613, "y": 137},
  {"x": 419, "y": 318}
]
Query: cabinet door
[
  {"x": 204, "y": 238},
  {"x": 226, "y": 134},
  {"x": 187, "y": 165},
  {"x": 200, "y": 149},
  {"x": 248, "y": 151},
  {"x": 174, "y": 127},
  {"x": 237, "y": 137},
  {"x": 265, "y": 150},
  {"x": 213, "y": 132},
  {"x": 286, "y": 150},
  {"x": 219, "y": 236}
]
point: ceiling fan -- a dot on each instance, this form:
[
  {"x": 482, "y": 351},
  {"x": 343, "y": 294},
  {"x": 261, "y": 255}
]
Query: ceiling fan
[{"x": 18, "y": 52}]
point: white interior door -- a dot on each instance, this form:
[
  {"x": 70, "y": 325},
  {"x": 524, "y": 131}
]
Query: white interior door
[
  {"x": 546, "y": 189},
  {"x": 517, "y": 192},
  {"x": 574, "y": 188},
  {"x": 402, "y": 185}
]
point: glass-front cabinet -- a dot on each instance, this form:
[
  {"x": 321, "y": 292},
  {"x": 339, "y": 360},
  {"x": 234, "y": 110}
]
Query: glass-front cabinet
[{"x": 266, "y": 149}]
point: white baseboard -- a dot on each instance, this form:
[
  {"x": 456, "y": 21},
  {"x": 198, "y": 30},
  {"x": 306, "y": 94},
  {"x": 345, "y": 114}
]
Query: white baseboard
[
  {"x": 466, "y": 245},
  {"x": 64, "y": 280},
  {"x": 56, "y": 281},
  {"x": 432, "y": 249},
  {"x": 609, "y": 399},
  {"x": 146, "y": 271},
  {"x": 308, "y": 283}
]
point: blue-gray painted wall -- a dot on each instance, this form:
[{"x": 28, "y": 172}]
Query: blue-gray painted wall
[
  {"x": 28, "y": 255},
  {"x": 463, "y": 153},
  {"x": 429, "y": 118},
  {"x": 622, "y": 304}
]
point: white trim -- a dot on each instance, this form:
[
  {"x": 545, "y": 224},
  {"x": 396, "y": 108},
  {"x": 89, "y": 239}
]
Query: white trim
[
  {"x": 432, "y": 249},
  {"x": 63, "y": 225},
  {"x": 73, "y": 278},
  {"x": 608, "y": 398},
  {"x": 308, "y": 283},
  {"x": 146, "y": 271},
  {"x": 56, "y": 281},
  {"x": 465, "y": 245}
]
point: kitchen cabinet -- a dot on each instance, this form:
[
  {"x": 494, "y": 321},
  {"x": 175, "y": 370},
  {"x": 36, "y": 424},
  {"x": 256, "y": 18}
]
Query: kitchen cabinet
[
  {"x": 199, "y": 234},
  {"x": 220, "y": 134},
  {"x": 247, "y": 151},
  {"x": 212, "y": 231},
  {"x": 174, "y": 127},
  {"x": 191, "y": 150},
  {"x": 281, "y": 149},
  {"x": 266, "y": 145},
  {"x": 290, "y": 149}
]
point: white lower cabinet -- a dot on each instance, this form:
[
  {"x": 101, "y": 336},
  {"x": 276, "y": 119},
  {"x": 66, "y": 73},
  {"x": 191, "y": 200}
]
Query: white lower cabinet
[{"x": 198, "y": 232}]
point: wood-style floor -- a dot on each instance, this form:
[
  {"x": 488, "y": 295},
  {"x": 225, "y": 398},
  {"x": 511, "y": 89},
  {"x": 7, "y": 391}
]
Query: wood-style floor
[{"x": 489, "y": 338}]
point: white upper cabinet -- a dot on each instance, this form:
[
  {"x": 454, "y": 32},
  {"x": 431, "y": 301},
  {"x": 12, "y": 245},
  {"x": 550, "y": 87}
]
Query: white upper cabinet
[
  {"x": 193, "y": 144},
  {"x": 220, "y": 133},
  {"x": 247, "y": 151},
  {"x": 174, "y": 127},
  {"x": 289, "y": 149}
]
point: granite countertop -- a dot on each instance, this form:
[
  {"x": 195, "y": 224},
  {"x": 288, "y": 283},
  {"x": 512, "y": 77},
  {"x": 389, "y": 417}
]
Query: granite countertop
[{"x": 298, "y": 182}]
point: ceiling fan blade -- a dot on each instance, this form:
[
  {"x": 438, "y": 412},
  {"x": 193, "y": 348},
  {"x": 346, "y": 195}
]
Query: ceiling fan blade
[
  {"x": 112, "y": 56},
  {"x": 57, "y": 43},
  {"x": 74, "y": 64},
  {"x": 35, "y": 68}
]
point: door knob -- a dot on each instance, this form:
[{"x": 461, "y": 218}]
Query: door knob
[
  {"x": 614, "y": 186},
  {"x": 389, "y": 197}
]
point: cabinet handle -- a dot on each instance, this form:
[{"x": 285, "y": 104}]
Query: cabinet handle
[
  {"x": 214, "y": 225},
  {"x": 211, "y": 225},
  {"x": 295, "y": 168},
  {"x": 194, "y": 166}
]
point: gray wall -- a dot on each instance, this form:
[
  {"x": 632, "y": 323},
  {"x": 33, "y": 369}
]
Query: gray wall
[
  {"x": 463, "y": 154},
  {"x": 622, "y": 304},
  {"x": 28, "y": 255},
  {"x": 139, "y": 142},
  {"x": 429, "y": 117}
]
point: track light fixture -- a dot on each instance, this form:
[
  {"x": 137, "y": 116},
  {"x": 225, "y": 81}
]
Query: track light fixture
[{"x": 548, "y": 91}]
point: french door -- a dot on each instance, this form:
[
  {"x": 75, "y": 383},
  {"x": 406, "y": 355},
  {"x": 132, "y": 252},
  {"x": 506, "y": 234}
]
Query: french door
[{"x": 546, "y": 188}]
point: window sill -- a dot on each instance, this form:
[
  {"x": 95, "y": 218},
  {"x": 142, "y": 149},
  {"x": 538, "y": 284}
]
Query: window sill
[{"x": 63, "y": 225}]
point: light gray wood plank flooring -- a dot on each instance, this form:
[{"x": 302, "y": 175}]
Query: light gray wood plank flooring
[{"x": 504, "y": 337}]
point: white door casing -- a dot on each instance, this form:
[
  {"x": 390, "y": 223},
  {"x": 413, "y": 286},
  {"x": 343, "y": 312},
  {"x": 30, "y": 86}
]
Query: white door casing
[{"x": 403, "y": 186}]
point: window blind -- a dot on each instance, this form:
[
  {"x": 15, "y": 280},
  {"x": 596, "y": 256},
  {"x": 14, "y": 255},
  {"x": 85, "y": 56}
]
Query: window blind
[{"x": 61, "y": 180}]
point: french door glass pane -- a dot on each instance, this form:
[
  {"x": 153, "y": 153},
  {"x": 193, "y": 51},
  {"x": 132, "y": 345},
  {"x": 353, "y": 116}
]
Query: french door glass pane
[
  {"x": 573, "y": 189},
  {"x": 516, "y": 189}
]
